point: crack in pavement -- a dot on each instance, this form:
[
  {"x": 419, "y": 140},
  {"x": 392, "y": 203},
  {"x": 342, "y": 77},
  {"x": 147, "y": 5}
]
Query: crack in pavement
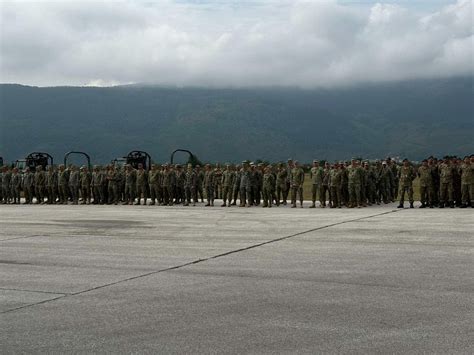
[
  {"x": 33, "y": 291},
  {"x": 253, "y": 246}
]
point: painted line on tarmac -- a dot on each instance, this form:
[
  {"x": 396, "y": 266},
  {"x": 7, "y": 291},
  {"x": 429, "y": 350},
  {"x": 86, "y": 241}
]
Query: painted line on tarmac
[{"x": 253, "y": 246}]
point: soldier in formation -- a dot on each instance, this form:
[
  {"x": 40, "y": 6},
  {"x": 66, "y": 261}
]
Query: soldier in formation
[{"x": 447, "y": 182}]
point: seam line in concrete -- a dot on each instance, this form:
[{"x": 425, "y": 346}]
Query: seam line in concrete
[
  {"x": 23, "y": 237},
  {"x": 253, "y": 246},
  {"x": 32, "y": 291}
]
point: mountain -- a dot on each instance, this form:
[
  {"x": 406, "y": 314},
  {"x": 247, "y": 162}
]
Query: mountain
[{"x": 413, "y": 119}]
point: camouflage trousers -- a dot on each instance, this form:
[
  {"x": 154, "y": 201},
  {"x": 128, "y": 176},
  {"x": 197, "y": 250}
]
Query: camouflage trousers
[
  {"x": 6, "y": 193},
  {"x": 129, "y": 193},
  {"x": 281, "y": 193},
  {"x": 467, "y": 191},
  {"x": 296, "y": 191},
  {"x": 141, "y": 191},
  {"x": 52, "y": 194},
  {"x": 446, "y": 192},
  {"x": 268, "y": 193},
  {"x": 155, "y": 193},
  {"x": 355, "y": 194},
  {"x": 15, "y": 192},
  {"x": 405, "y": 189},
  {"x": 426, "y": 195},
  {"x": 190, "y": 194},
  {"x": 113, "y": 193},
  {"x": 167, "y": 192},
  {"x": 86, "y": 193},
  {"x": 29, "y": 192},
  {"x": 227, "y": 193},
  {"x": 63, "y": 193},
  {"x": 245, "y": 195},
  {"x": 210, "y": 193},
  {"x": 40, "y": 192},
  {"x": 335, "y": 196},
  {"x": 75, "y": 193},
  {"x": 98, "y": 194}
]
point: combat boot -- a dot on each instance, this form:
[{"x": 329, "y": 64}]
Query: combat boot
[
  {"x": 441, "y": 205},
  {"x": 400, "y": 205},
  {"x": 451, "y": 205},
  {"x": 411, "y": 205},
  {"x": 313, "y": 205},
  {"x": 224, "y": 205},
  {"x": 422, "y": 206}
]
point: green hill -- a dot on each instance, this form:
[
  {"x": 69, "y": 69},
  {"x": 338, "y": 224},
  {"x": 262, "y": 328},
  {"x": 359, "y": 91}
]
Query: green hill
[{"x": 413, "y": 119}]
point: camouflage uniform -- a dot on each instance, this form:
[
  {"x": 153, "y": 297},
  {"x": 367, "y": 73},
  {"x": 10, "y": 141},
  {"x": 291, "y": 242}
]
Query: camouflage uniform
[
  {"x": 63, "y": 181},
  {"x": 74, "y": 182},
  {"x": 85, "y": 185},
  {"x": 141, "y": 185},
  {"x": 15, "y": 186},
  {"x": 209, "y": 184},
  {"x": 426, "y": 186},
  {"x": 467, "y": 182},
  {"x": 245, "y": 186},
  {"x": 113, "y": 179},
  {"x": 316, "y": 175},
  {"x": 268, "y": 188},
  {"x": 190, "y": 186},
  {"x": 40, "y": 184},
  {"x": 297, "y": 180},
  {"x": 406, "y": 176},
  {"x": 335, "y": 181},
  {"x": 355, "y": 175},
  {"x": 324, "y": 186},
  {"x": 97, "y": 182},
  {"x": 28, "y": 185},
  {"x": 154, "y": 183},
  {"x": 200, "y": 182},
  {"x": 6, "y": 182},
  {"x": 281, "y": 185},
  {"x": 167, "y": 185},
  {"x": 236, "y": 184},
  {"x": 227, "y": 184},
  {"x": 446, "y": 184}
]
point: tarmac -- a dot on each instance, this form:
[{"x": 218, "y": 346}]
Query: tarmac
[{"x": 149, "y": 279}]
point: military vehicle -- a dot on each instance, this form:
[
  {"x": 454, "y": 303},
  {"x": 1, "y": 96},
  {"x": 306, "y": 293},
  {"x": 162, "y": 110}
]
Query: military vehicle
[
  {"x": 33, "y": 160},
  {"x": 191, "y": 157},
  {"x": 85, "y": 155}
]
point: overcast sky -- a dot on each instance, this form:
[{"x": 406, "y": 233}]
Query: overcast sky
[{"x": 234, "y": 43}]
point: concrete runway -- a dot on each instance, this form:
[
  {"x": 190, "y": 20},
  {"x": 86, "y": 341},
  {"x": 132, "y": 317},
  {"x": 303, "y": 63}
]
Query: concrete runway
[{"x": 142, "y": 279}]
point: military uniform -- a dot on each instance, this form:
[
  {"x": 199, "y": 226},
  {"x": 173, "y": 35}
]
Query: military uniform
[
  {"x": 297, "y": 180},
  {"x": 236, "y": 185},
  {"x": 316, "y": 175},
  {"x": 446, "y": 185},
  {"x": 190, "y": 186},
  {"x": 209, "y": 184},
  {"x": 281, "y": 185},
  {"x": 63, "y": 182},
  {"x": 268, "y": 188},
  {"x": 405, "y": 177},
  {"x": 97, "y": 182},
  {"x": 141, "y": 184},
  {"x": 426, "y": 186},
  {"x": 40, "y": 184},
  {"x": 154, "y": 183},
  {"x": 6, "y": 184},
  {"x": 467, "y": 183},
  {"x": 28, "y": 186},
  {"x": 15, "y": 186},
  {"x": 335, "y": 182},
  {"x": 113, "y": 180},
  {"x": 85, "y": 186},
  {"x": 355, "y": 175},
  {"x": 227, "y": 184}
]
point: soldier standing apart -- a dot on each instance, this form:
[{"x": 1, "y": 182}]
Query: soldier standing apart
[
  {"x": 85, "y": 185},
  {"x": 142, "y": 181},
  {"x": 405, "y": 177},
  {"x": 15, "y": 186},
  {"x": 28, "y": 185},
  {"x": 190, "y": 186},
  {"x": 227, "y": 184},
  {"x": 209, "y": 184},
  {"x": 297, "y": 180},
  {"x": 316, "y": 176},
  {"x": 268, "y": 187},
  {"x": 355, "y": 183},
  {"x": 426, "y": 185},
  {"x": 446, "y": 184},
  {"x": 467, "y": 182}
]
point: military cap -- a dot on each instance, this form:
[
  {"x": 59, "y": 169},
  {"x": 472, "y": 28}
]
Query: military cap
[
  {"x": 290, "y": 159},
  {"x": 353, "y": 158},
  {"x": 404, "y": 160},
  {"x": 190, "y": 165},
  {"x": 316, "y": 161},
  {"x": 384, "y": 163}
]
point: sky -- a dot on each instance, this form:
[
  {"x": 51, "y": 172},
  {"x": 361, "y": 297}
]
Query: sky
[{"x": 307, "y": 44}]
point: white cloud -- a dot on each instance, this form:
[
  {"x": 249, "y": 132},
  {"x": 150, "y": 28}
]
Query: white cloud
[{"x": 302, "y": 43}]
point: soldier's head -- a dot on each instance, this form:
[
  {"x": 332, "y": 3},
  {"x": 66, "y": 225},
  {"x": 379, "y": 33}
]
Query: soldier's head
[
  {"x": 289, "y": 163},
  {"x": 178, "y": 167},
  {"x": 208, "y": 167},
  {"x": 472, "y": 158},
  {"x": 190, "y": 166},
  {"x": 424, "y": 162},
  {"x": 315, "y": 163},
  {"x": 140, "y": 166},
  {"x": 406, "y": 162},
  {"x": 39, "y": 168},
  {"x": 296, "y": 164},
  {"x": 384, "y": 164},
  {"x": 227, "y": 166},
  {"x": 198, "y": 167}
]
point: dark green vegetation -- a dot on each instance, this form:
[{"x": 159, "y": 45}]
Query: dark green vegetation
[{"x": 413, "y": 119}]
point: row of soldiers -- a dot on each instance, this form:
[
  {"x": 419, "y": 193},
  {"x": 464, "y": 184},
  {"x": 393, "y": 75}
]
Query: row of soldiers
[{"x": 443, "y": 183}]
